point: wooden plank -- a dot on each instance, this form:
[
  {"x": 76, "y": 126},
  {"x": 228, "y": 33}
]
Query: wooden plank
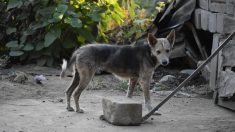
[
  {"x": 214, "y": 62},
  {"x": 220, "y": 59}
]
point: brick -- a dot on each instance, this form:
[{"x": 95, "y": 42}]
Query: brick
[
  {"x": 205, "y": 19},
  {"x": 220, "y": 22},
  {"x": 212, "y": 22},
  {"x": 225, "y": 23},
  {"x": 197, "y": 18},
  {"x": 218, "y": 1},
  {"x": 217, "y": 7},
  {"x": 230, "y": 9},
  {"x": 222, "y": 6},
  {"x": 204, "y": 4},
  {"x": 121, "y": 112}
]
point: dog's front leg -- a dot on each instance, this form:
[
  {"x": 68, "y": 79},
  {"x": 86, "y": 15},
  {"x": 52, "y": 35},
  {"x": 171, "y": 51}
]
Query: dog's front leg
[
  {"x": 132, "y": 84},
  {"x": 145, "y": 84}
]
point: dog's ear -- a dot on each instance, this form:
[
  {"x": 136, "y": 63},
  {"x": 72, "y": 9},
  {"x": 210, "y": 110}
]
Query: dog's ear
[
  {"x": 171, "y": 37},
  {"x": 152, "y": 40}
]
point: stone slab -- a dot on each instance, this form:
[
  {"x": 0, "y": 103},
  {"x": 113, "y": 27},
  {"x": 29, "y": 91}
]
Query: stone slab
[{"x": 121, "y": 112}]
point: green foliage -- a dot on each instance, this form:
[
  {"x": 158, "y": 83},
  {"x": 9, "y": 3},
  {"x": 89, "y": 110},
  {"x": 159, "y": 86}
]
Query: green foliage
[
  {"x": 45, "y": 30},
  {"x": 131, "y": 29},
  {"x": 135, "y": 25}
]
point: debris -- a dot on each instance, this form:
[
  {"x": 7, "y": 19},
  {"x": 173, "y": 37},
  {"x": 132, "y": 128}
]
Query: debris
[
  {"x": 226, "y": 83},
  {"x": 187, "y": 71},
  {"x": 4, "y": 60},
  {"x": 39, "y": 78},
  {"x": 60, "y": 100},
  {"x": 205, "y": 72},
  {"x": 20, "y": 77},
  {"x": 178, "y": 94},
  {"x": 168, "y": 79},
  {"x": 159, "y": 87},
  {"x": 167, "y": 82}
]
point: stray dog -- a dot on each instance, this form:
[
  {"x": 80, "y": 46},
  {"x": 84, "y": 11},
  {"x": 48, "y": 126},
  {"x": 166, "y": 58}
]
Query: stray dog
[{"x": 136, "y": 63}]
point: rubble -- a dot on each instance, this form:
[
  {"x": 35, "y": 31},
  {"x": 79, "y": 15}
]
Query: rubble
[
  {"x": 168, "y": 79},
  {"x": 226, "y": 84},
  {"x": 179, "y": 94},
  {"x": 20, "y": 77},
  {"x": 187, "y": 71}
]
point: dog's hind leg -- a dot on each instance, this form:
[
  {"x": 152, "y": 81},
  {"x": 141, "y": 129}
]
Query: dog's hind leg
[
  {"x": 86, "y": 75},
  {"x": 70, "y": 90},
  {"x": 131, "y": 87}
]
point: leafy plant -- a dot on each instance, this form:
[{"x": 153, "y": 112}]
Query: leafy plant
[
  {"x": 131, "y": 29},
  {"x": 44, "y": 31},
  {"x": 135, "y": 25}
]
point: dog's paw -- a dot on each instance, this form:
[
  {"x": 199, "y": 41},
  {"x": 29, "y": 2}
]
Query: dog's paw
[
  {"x": 80, "y": 111},
  {"x": 70, "y": 109}
]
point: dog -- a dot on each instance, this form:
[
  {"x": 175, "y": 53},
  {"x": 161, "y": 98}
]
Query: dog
[{"x": 136, "y": 63}]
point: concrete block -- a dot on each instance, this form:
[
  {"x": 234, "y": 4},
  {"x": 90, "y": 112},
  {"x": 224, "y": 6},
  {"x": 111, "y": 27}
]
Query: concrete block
[
  {"x": 219, "y": 22},
  {"x": 121, "y": 111},
  {"x": 212, "y": 22},
  {"x": 197, "y": 18},
  {"x": 225, "y": 23},
  {"x": 205, "y": 19},
  {"x": 222, "y": 6},
  {"x": 230, "y": 9},
  {"x": 204, "y": 4},
  {"x": 231, "y": 1},
  {"x": 217, "y": 7},
  {"x": 218, "y": 1}
]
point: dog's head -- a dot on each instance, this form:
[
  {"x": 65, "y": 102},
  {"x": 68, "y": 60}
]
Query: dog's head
[{"x": 162, "y": 47}]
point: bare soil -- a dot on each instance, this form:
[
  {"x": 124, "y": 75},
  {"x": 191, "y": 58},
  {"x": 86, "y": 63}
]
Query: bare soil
[{"x": 31, "y": 107}]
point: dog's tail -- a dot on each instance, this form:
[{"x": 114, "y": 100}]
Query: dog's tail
[
  {"x": 64, "y": 68},
  {"x": 65, "y": 65}
]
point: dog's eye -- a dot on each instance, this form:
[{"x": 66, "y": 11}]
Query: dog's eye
[
  {"x": 167, "y": 51},
  {"x": 158, "y": 51}
]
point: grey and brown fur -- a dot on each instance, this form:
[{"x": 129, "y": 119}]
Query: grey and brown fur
[{"x": 136, "y": 63}]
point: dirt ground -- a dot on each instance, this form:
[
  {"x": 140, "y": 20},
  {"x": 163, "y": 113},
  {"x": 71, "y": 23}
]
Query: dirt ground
[{"x": 30, "y": 107}]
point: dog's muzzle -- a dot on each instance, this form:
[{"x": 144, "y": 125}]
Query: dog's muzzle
[{"x": 164, "y": 62}]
